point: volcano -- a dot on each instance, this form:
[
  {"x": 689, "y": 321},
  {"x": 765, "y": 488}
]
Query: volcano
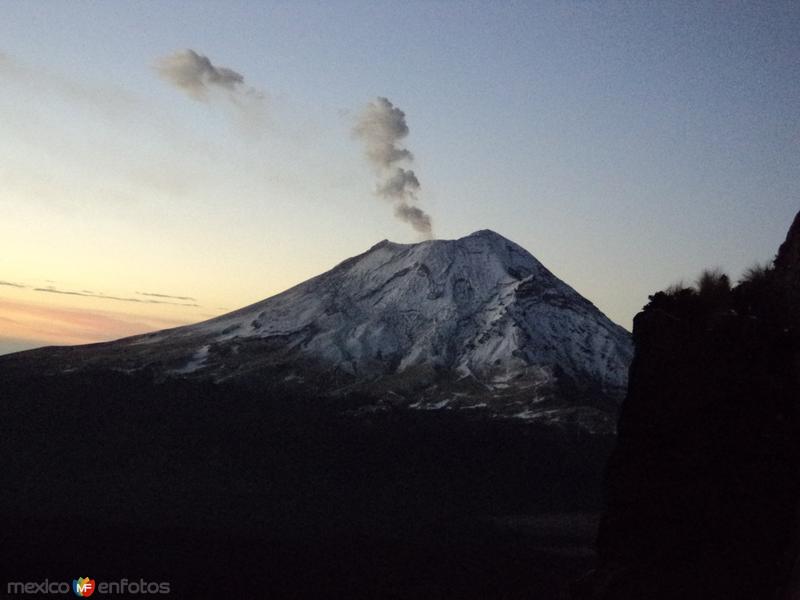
[{"x": 475, "y": 323}]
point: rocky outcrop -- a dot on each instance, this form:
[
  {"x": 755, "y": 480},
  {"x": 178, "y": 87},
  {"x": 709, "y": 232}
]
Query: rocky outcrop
[
  {"x": 704, "y": 485},
  {"x": 788, "y": 258}
]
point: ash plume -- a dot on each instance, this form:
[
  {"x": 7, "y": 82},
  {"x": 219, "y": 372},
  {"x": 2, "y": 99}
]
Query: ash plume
[
  {"x": 416, "y": 217},
  {"x": 399, "y": 184},
  {"x": 197, "y": 76},
  {"x": 382, "y": 127},
  {"x": 201, "y": 80}
]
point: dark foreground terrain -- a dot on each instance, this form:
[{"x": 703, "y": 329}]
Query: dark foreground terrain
[
  {"x": 244, "y": 493},
  {"x": 703, "y": 485}
]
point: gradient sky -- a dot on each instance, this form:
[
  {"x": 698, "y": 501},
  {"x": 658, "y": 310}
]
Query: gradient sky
[{"x": 626, "y": 145}]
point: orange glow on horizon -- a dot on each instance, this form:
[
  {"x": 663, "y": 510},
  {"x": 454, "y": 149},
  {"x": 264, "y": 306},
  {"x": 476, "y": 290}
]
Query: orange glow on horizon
[{"x": 67, "y": 326}]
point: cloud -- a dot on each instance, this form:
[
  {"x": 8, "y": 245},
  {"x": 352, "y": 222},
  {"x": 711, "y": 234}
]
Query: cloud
[
  {"x": 200, "y": 79},
  {"x": 197, "y": 76},
  {"x": 382, "y": 126},
  {"x": 52, "y": 290},
  {"x": 149, "y": 297},
  {"x": 154, "y": 295}
]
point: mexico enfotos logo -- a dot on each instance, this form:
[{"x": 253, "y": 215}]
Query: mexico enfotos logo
[{"x": 84, "y": 587}]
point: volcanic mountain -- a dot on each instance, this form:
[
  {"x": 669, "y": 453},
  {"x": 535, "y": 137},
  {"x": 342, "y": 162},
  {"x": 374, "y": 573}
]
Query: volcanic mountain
[{"x": 474, "y": 323}]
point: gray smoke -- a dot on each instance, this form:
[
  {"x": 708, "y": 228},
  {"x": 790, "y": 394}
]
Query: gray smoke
[
  {"x": 196, "y": 75},
  {"x": 399, "y": 185},
  {"x": 382, "y": 126},
  {"x": 415, "y": 216}
]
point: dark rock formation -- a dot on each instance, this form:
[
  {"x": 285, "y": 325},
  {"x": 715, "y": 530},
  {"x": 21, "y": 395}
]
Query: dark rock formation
[
  {"x": 789, "y": 254},
  {"x": 704, "y": 485}
]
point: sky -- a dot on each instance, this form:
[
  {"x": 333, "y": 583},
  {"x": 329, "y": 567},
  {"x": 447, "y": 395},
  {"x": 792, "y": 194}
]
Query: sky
[{"x": 626, "y": 145}]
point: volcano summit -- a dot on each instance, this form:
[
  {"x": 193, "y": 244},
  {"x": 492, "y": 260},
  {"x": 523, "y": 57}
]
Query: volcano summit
[{"x": 474, "y": 323}]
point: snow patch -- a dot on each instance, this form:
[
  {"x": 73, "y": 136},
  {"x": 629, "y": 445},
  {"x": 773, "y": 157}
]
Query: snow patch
[{"x": 197, "y": 361}]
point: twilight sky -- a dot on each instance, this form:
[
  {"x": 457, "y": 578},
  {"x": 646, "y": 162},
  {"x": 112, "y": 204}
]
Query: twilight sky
[{"x": 626, "y": 145}]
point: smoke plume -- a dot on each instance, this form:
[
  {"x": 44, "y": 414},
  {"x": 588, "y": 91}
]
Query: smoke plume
[
  {"x": 197, "y": 76},
  {"x": 400, "y": 184},
  {"x": 382, "y": 127},
  {"x": 416, "y": 217}
]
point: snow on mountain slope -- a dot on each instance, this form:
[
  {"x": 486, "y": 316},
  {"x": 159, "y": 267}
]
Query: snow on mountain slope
[{"x": 476, "y": 322}]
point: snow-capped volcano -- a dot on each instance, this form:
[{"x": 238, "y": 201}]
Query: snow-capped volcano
[{"x": 475, "y": 322}]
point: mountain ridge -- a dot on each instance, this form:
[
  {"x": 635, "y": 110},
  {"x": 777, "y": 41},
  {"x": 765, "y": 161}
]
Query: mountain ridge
[{"x": 475, "y": 322}]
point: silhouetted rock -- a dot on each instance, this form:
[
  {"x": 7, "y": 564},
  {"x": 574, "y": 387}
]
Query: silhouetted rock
[
  {"x": 703, "y": 486},
  {"x": 789, "y": 254}
]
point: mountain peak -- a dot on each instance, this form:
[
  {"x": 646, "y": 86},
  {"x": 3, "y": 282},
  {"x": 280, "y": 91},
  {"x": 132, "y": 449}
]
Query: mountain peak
[
  {"x": 485, "y": 233},
  {"x": 480, "y": 235},
  {"x": 475, "y": 321}
]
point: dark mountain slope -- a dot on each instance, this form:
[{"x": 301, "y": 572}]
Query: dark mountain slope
[{"x": 704, "y": 486}]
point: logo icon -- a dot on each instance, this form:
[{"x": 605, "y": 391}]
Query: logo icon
[{"x": 83, "y": 586}]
